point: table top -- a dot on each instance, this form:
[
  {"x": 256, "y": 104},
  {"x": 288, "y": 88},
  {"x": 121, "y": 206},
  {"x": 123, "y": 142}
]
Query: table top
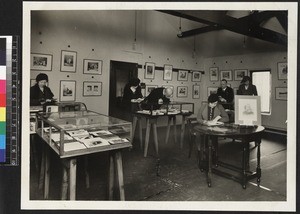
[{"x": 228, "y": 130}]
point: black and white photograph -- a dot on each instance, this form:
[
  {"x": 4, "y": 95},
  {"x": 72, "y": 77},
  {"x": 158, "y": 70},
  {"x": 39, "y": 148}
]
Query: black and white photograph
[
  {"x": 166, "y": 143},
  {"x": 42, "y": 62},
  {"x": 91, "y": 66}
]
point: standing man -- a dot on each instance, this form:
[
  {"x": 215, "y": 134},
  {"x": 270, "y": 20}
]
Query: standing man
[
  {"x": 225, "y": 95},
  {"x": 157, "y": 97}
]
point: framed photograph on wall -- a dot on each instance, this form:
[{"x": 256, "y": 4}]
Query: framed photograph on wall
[
  {"x": 168, "y": 72},
  {"x": 92, "y": 66},
  {"x": 211, "y": 90},
  {"x": 68, "y": 61},
  {"x": 92, "y": 88},
  {"x": 196, "y": 91},
  {"x": 240, "y": 73},
  {"x": 226, "y": 74},
  {"x": 182, "y": 75},
  {"x": 41, "y": 62},
  {"x": 149, "y": 70},
  {"x": 169, "y": 86},
  {"x": 281, "y": 93},
  {"x": 196, "y": 76},
  {"x": 282, "y": 70},
  {"x": 67, "y": 90},
  {"x": 247, "y": 110},
  {"x": 182, "y": 91},
  {"x": 149, "y": 88},
  {"x": 214, "y": 74}
]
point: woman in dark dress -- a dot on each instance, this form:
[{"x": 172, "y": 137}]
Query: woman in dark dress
[
  {"x": 40, "y": 93},
  {"x": 132, "y": 95},
  {"x": 246, "y": 87}
]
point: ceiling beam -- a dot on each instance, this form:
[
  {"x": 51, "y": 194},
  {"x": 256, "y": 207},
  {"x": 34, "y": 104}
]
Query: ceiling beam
[{"x": 219, "y": 20}]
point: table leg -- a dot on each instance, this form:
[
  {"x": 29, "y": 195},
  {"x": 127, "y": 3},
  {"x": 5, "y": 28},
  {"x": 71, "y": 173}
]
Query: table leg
[
  {"x": 168, "y": 129},
  {"x": 134, "y": 122},
  {"x": 64, "y": 183},
  {"x": 86, "y": 172},
  {"x": 148, "y": 126},
  {"x": 175, "y": 130},
  {"x": 209, "y": 162},
  {"x": 244, "y": 179},
  {"x": 119, "y": 170},
  {"x": 140, "y": 133},
  {"x": 72, "y": 179},
  {"x": 47, "y": 175},
  {"x": 111, "y": 176},
  {"x": 182, "y": 131},
  {"x": 42, "y": 169},
  {"x": 258, "y": 170}
]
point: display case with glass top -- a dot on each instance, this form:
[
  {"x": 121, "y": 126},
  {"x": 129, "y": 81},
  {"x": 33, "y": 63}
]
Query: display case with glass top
[{"x": 82, "y": 132}]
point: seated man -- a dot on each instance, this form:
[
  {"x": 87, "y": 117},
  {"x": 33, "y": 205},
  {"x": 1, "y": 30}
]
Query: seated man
[
  {"x": 156, "y": 98},
  {"x": 210, "y": 113},
  {"x": 226, "y": 95}
]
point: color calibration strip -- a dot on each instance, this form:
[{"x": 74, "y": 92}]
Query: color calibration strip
[
  {"x": 9, "y": 97},
  {"x": 2, "y": 100}
]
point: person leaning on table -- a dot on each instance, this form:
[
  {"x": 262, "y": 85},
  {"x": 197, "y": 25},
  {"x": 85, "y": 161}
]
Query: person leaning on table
[
  {"x": 40, "y": 93},
  {"x": 212, "y": 112},
  {"x": 132, "y": 94}
]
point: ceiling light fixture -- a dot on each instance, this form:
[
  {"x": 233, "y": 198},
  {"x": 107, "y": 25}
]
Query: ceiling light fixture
[
  {"x": 135, "y": 29},
  {"x": 179, "y": 34},
  {"x": 194, "y": 50}
]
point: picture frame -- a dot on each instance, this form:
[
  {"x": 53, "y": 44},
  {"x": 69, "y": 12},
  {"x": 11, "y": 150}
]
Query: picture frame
[
  {"x": 182, "y": 75},
  {"x": 196, "y": 91},
  {"x": 149, "y": 88},
  {"x": 168, "y": 72},
  {"x": 239, "y": 74},
  {"x": 282, "y": 70},
  {"x": 92, "y": 88},
  {"x": 247, "y": 110},
  {"x": 214, "y": 74},
  {"x": 281, "y": 93},
  {"x": 41, "y": 62},
  {"x": 68, "y": 61},
  {"x": 182, "y": 91},
  {"x": 149, "y": 70},
  {"x": 226, "y": 74},
  {"x": 92, "y": 66},
  {"x": 196, "y": 76},
  {"x": 67, "y": 90},
  {"x": 169, "y": 86},
  {"x": 211, "y": 90}
]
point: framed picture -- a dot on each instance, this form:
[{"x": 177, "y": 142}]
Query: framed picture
[
  {"x": 247, "y": 110},
  {"x": 169, "y": 86},
  {"x": 92, "y": 88},
  {"x": 280, "y": 93},
  {"x": 149, "y": 88},
  {"x": 196, "y": 76},
  {"x": 282, "y": 70},
  {"x": 91, "y": 66},
  {"x": 41, "y": 62},
  {"x": 227, "y": 75},
  {"x": 67, "y": 90},
  {"x": 168, "y": 72},
  {"x": 211, "y": 90},
  {"x": 149, "y": 70},
  {"x": 214, "y": 74},
  {"x": 182, "y": 91},
  {"x": 196, "y": 91},
  {"x": 68, "y": 61},
  {"x": 240, "y": 73},
  {"x": 182, "y": 75}
]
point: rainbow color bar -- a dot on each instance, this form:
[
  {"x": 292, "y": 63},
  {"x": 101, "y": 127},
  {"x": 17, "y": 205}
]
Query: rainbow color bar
[{"x": 2, "y": 99}]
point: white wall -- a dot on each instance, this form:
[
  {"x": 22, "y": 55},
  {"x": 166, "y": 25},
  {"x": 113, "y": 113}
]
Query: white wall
[{"x": 111, "y": 35}]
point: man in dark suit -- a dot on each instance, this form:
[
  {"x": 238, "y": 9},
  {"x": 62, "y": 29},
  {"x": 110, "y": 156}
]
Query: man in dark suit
[
  {"x": 156, "y": 98},
  {"x": 226, "y": 95}
]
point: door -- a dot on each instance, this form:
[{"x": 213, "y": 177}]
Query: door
[{"x": 120, "y": 73}]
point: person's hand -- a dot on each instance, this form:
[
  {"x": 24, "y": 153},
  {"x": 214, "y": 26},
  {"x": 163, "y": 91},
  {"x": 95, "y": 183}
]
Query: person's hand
[
  {"x": 222, "y": 99},
  {"x": 160, "y": 101},
  {"x": 48, "y": 100},
  {"x": 140, "y": 100}
]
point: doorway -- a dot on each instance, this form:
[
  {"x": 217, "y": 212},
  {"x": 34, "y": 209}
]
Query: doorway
[{"x": 120, "y": 73}]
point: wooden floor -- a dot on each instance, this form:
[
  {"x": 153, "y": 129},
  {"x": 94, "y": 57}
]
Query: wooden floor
[{"x": 180, "y": 179}]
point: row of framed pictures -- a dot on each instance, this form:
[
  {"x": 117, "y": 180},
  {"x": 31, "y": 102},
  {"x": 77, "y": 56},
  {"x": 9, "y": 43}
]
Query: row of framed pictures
[
  {"x": 68, "y": 62},
  {"x": 68, "y": 89},
  {"x": 280, "y": 92},
  {"x": 168, "y": 73},
  {"x": 240, "y": 73},
  {"x": 182, "y": 91}
]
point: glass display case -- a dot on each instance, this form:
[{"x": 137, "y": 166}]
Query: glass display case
[{"x": 76, "y": 133}]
